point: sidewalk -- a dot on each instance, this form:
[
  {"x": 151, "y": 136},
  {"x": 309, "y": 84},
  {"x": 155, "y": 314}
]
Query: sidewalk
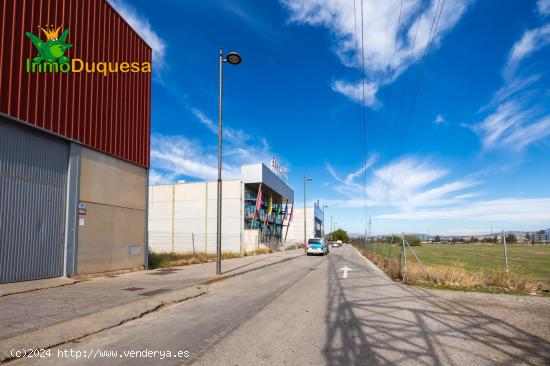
[{"x": 50, "y": 316}]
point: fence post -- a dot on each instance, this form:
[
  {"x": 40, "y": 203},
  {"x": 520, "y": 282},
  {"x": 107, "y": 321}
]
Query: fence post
[
  {"x": 193, "y": 241},
  {"x": 419, "y": 262},
  {"x": 505, "y": 250},
  {"x": 403, "y": 260}
]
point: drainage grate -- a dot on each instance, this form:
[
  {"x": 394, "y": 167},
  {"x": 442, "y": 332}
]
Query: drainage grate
[
  {"x": 133, "y": 288},
  {"x": 155, "y": 292}
]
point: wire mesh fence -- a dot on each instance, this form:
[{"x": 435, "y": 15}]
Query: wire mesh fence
[
  {"x": 189, "y": 242},
  {"x": 184, "y": 242},
  {"x": 498, "y": 264}
]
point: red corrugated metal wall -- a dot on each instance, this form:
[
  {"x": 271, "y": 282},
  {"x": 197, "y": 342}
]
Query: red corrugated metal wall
[{"x": 108, "y": 113}]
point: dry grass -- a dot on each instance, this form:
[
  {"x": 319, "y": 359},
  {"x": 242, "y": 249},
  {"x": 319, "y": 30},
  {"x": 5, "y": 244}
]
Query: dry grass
[
  {"x": 172, "y": 259},
  {"x": 454, "y": 276},
  {"x": 261, "y": 250},
  {"x": 165, "y": 260},
  {"x": 295, "y": 246},
  {"x": 390, "y": 266}
]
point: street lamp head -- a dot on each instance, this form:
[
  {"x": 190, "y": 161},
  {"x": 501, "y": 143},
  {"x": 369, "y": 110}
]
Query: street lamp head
[
  {"x": 233, "y": 58},
  {"x": 308, "y": 179}
]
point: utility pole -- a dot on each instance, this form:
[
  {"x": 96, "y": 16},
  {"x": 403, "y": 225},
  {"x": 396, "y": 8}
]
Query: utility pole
[
  {"x": 370, "y": 229},
  {"x": 306, "y": 179},
  {"x": 505, "y": 251}
]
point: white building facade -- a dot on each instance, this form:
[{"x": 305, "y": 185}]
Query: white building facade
[
  {"x": 314, "y": 224},
  {"x": 183, "y": 216}
]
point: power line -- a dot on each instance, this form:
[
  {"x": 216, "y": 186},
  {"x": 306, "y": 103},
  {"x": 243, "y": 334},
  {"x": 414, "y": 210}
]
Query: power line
[
  {"x": 401, "y": 104},
  {"x": 427, "y": 51},
  {"x": 363, "y": 114},
  {"x": 392, "y": 73}
]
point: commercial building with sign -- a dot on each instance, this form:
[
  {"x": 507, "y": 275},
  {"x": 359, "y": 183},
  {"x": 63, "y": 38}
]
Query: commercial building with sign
[
  {"x": 255, "y": 210},
  {"x": 74, "y": 145},
  {"x": 314, "y": 224}
]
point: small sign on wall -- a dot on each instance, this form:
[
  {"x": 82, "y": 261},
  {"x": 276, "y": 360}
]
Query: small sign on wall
[
  {"x": 134, "y": 249},
  {"x": 81, "y": 222},
  {"x": 82, "y": 208}
]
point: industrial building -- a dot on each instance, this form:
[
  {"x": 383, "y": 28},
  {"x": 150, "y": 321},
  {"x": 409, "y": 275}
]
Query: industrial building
[
  {"x": 256, "y": 209},
  {"x": 74, "y": 145},
  {"x": 315, "y": 227}
]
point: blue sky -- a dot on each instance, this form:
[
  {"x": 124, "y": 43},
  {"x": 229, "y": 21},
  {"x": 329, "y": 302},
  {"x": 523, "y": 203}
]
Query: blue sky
[{"x": 457, "y": 137}]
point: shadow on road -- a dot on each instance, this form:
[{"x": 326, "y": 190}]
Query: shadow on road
[{"x": 372, "y": 320}]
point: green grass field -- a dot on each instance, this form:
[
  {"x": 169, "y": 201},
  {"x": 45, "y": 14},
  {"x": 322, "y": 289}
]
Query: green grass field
[{"x": 526, "y": 260}]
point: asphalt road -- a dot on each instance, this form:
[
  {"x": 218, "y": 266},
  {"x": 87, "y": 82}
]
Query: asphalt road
[{"x": 303, "y": 312}]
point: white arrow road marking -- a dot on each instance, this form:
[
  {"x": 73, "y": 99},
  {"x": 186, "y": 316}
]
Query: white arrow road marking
[{"x": 345, "y": 269}]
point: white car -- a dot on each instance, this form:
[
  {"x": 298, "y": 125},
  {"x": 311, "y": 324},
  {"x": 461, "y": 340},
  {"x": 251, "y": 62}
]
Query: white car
[{"x": 316, "y": 246}]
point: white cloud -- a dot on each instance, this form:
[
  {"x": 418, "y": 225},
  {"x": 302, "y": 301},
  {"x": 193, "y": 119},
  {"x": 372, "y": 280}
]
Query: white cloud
[
  {"x": 533, "y": 211},
  {"x": 380, "y": 28},
  {"x": 513, "y": 125},
  {"x": 516, "y": 115},
  {"x": 175, "y": 157},
  {"x": 510, "y": 89},
  {"x": 354, "y": 91},
  {"x": 407, "y": 182},
  {"x": 142, "y": 26},
  {"x": 237, "y": 137},
  {"x": 411, "y": 182},
  {"x": 531, "y": 41},
  {"x": 348, "y": 184},
  {"x": 439, "y": 119},
  {"x": 205, "y": 120},
  {"x": 543, "y": 7}
]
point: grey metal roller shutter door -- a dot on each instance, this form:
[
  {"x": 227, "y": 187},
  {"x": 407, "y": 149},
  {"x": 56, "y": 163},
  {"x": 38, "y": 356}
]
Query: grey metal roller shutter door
[{"x": 33, "y": 181}]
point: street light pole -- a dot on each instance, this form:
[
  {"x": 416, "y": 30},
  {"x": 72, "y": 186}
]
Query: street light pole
[
  {"x": 234, "y": 59},
  {"x": 219, "y": 196},
  {"x": 305, "y": 210},
  {"x": 324, "y": 208}
]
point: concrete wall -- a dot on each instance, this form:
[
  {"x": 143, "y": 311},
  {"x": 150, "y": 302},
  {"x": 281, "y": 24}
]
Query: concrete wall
[
  {"x": 296, "y": 228},
  {"x": 251, "y": 239},
  {"x": 112, "y": 235},
  {"x": 183, "y": 216}
]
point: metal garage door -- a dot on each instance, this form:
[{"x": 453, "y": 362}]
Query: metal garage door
[{"x": 33, "y": 176}]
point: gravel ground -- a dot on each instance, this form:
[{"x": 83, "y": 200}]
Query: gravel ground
[{"x": 526, "y": 312}]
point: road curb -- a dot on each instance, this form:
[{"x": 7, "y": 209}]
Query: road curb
[
  {"x": 73, "y": 329},
  {"x": 70, "y": 330},
  {"x": 227, "y": 276},
  {"x": 9, "y": 289},
  {"x": 372, "y": 265}
]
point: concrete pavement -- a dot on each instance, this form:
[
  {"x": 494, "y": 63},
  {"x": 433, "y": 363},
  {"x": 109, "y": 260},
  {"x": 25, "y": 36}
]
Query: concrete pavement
[
  {"x": 303, "y": 312},
  {"x": 51, "y": 316}
]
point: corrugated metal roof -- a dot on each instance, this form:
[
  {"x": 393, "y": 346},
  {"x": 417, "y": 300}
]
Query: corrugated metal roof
[{"x": 108, "y": 113}]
